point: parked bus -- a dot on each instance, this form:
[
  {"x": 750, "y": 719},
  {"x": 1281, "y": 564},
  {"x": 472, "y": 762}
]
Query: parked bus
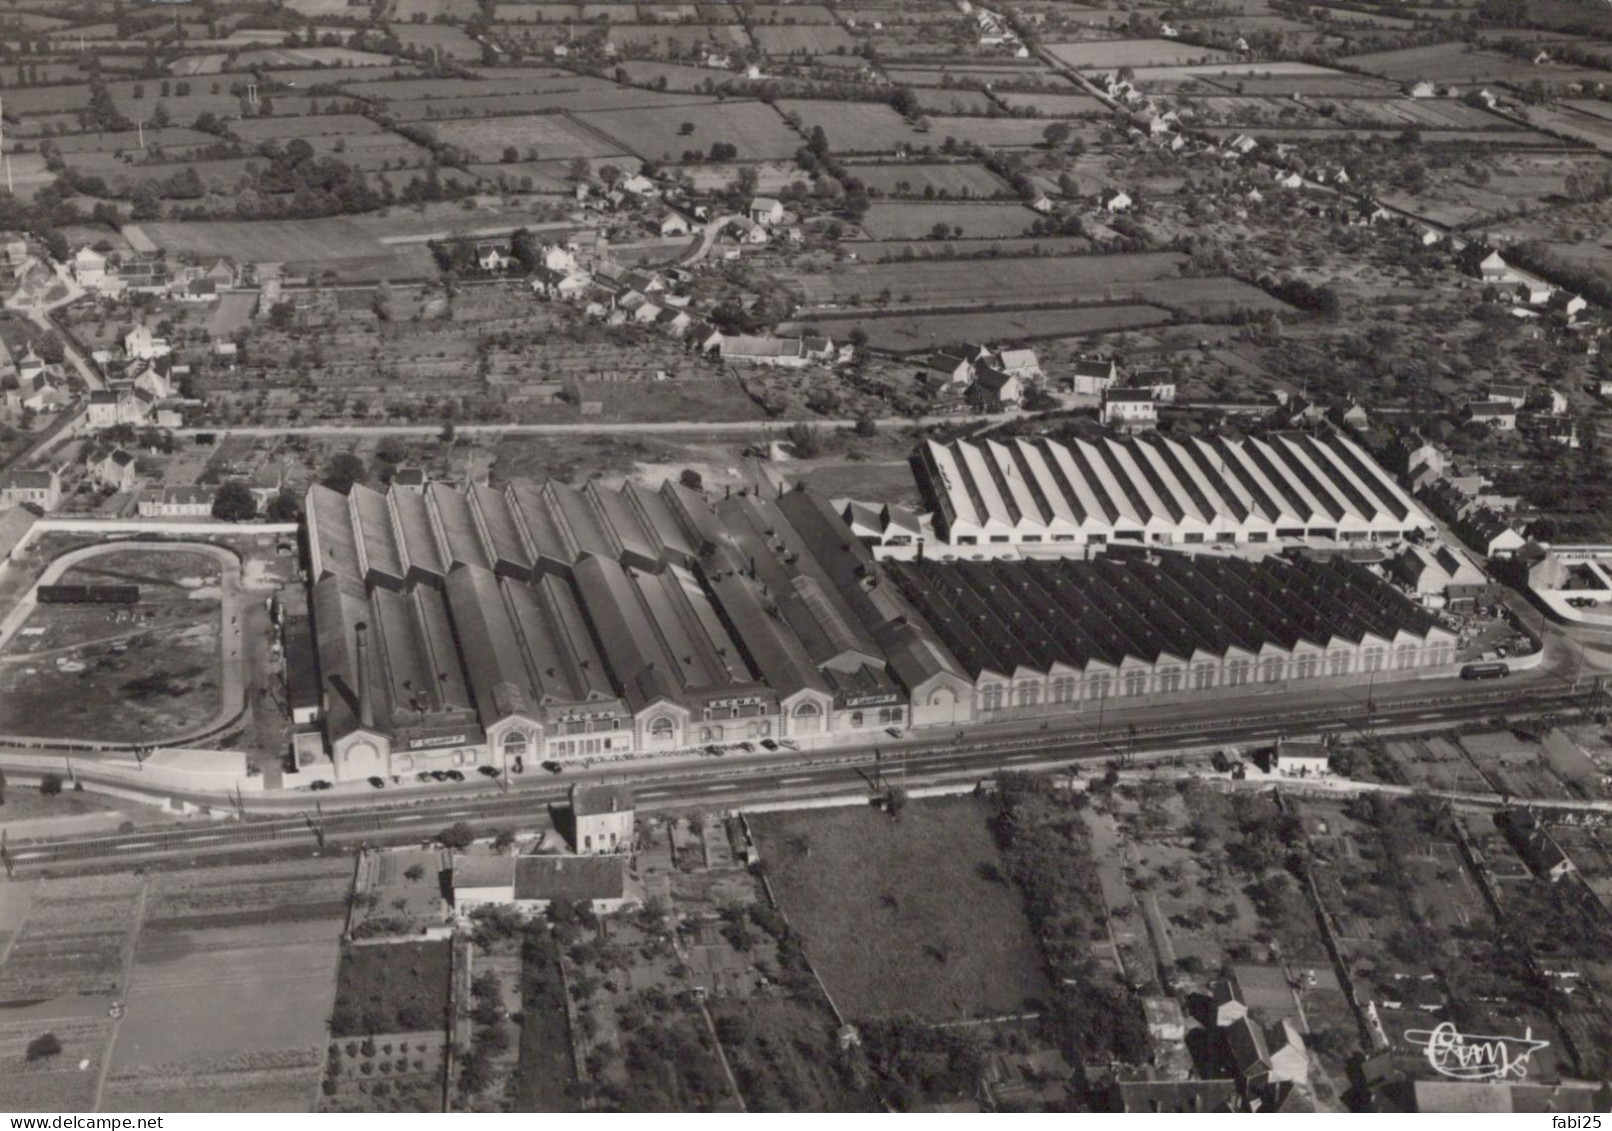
[{"x": 1485, "y": 671}]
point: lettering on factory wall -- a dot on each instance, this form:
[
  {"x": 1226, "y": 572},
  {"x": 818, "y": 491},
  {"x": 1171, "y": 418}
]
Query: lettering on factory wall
[
  {"x": 1462, "y": 1056},
  {"x": 439, "y": 740},
  {"x": 871, "y": 700},
  {"x": 745, "y": 701}
]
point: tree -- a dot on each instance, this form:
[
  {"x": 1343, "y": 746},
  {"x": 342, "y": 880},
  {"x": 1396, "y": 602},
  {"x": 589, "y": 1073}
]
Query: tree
[
  {"x": 286, "y": 506},
  {"x": 460, "y": 834},
  {"x": 806, "y": 439},
  {"x": 448, "y": 433},
  {"x": 234, "y": 501},
  {"x": 50, "y": 785},
  {"x": 414, "y": 872},
  {"x": 691, "y": 479},
  {"x": 511, "y": 155},
  {"x": 47, "y": 1044},
  {"x": 343, "y": 470},
  {"x": 1055, "y": 134},
  {"x": 685, "y": 129},
  {"x": 51, "y": 349},
  {"x": 866, "y": 428},
  {"x": 723, "y": 151}
]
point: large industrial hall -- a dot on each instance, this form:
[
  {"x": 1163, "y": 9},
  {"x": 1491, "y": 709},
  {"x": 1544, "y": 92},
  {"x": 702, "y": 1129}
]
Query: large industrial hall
[
  {"x": 499, "y": 627},
  {"x": 1043, "y": 498}
]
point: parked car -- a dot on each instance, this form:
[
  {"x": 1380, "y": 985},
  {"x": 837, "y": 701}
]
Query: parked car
[
  {"x": 378, "y": 783},
  {"x": 455, "y": 775},
  {"x": 319, "y": 785},
  {"x": 768, "y": 744},
  {"x": 423, "y": 775},
  {"x": 553, "y": 767},
  {"x": 487, "y": 771},
  {"x": 438, "y": 775}
]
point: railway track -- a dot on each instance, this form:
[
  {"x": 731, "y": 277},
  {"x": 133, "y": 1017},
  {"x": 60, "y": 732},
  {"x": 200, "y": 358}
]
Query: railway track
[{"x": 701, "y": 785}]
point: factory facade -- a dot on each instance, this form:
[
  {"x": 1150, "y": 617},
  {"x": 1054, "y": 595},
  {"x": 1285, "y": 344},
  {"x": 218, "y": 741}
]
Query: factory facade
[
  {"x": 1043, "y": 498},
  {"x": 503, "y": 627}
]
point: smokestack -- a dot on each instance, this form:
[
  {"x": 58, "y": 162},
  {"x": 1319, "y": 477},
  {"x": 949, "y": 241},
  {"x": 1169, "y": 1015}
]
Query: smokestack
[{"x": 366, "y": 703}]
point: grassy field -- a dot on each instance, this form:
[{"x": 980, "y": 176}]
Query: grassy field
[
  {"x": 886, "y": 482},
  {"x": 803, "y": 39},
  {"x": 1076, "y": 279},
  {"x": 754, "y": 128},
  {"x": 911, "y": 333},
  {"x": 553, "y": 136},
  {"x": 965, "y": 179},
  {"x": 903, "y": 915},
  {"x": 1458, "y": 63},
  {"x": 916, "y": 220},
  {"x": 857, "y": 127},
  {"x": 1111, "y": 54},
  {"x": 999, "y": 133}
]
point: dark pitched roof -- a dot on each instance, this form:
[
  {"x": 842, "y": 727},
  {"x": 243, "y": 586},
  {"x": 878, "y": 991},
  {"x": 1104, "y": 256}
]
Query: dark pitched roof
[{"x": 569, "y": 879}]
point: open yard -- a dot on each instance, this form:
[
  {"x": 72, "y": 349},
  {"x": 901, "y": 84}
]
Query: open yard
[
  {"x": 120, "y": 673},
  {"x": 904, "y": 915},
  {"x": 399, "y": 987}
]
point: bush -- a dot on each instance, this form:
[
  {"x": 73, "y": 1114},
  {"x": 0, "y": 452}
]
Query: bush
[
  {"x": 460, "y": 834},
  {"x": 691, "y": 479},
  {"x": 46, "y": 1044},
  {"x": 50, "y": 785}
]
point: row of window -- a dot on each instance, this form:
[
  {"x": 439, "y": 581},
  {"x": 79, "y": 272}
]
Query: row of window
[
  {"x": 1237, "y": 673},
  {"x": 1190, "y": 538}
]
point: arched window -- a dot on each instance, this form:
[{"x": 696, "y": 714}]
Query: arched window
[
  {"x": 807, "y": 710},
  {"x": 808, "y": 718},
  {"x": 1270, "y": 671},
  {"x": 1373, "y": 660},
  {"x": 1307, "y": 666},
  {"x": 1169, "y": 679},
  {"x": 662, "y": 730},
  {"x": 1405, "y": 657},
  {"x": 1203, "y": 676},
  {"x": 1338, "y": 663},
  {"x": 991, "y": 697},
  {"x": 856, "y": 718},
  {"x": 1135, "y": 682},
  {"x": 1029, "y": 694},
  {"x": 1237, "y": 673},
  {"x": 515, "y": 744},
  {"x": 1063, "y": 689}
]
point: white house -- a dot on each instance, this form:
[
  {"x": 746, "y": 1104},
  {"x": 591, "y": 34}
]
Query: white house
[
  {"x": 1130, "y": 409},
  {"x": 601, "y": 818},
  {"x": 40, "y": 486},
  {"x": 141, "y": 344},
  {"x": 89, "y": 269},
  {"x": 766, "y": 210},
  {"x": 1114, "y": 200},
  {"x": 528, "y": 884}
]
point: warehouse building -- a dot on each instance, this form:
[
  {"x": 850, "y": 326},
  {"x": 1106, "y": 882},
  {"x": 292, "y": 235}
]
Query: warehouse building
[
  {"x": 1047, "y": 637},
  {"x": 502, "y": 627},
  {"x": 1043, "y": 498}
]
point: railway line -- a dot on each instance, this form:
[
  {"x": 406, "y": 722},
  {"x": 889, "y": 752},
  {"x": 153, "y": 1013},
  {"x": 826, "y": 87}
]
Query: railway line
[{"x": 717, "y": 783}]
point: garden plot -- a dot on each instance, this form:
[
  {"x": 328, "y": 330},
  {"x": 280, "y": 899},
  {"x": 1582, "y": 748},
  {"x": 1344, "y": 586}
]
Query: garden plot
[
  {"x": 953, "y": 101},
  {"x": 911, "y": 333},
  {"x": 1055, "y": 105},
  {"x": 802, "y": 39},
  {"x": 959, "y": 180},
  {"x": 1073, "y": 279},
  {"x": 998, "y": 133},
  {"x": 67, "y": 958},
  {"x": 877, "y": 903},
  {"x": 1459, "y": 63}
]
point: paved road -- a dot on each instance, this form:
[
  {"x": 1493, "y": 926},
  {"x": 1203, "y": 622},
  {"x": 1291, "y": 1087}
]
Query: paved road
[{"x": 708, "y": 239}]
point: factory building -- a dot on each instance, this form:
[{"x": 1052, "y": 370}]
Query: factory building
[
  {"x": 541, "y": 622},
  {"x": 500, "y": 628},
  {"x": 1043, "y": 498},
  {"x": 1048, "y": 637}
]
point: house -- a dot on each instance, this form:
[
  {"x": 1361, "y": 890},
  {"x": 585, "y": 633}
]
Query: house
[
  {"x": 1020, "y": 363},
  {"x": 1553, "y": 402},
  {"x": 31, "y": 366},
  {"x": 493, "y": 257},
  {"x": 528, "y": 884},
  {"x": 1156, "y": 383},
  {"x": 1514, "y": 395},
  {"x": 141, "y": 344},
  {"x": 1130, "y": 409},
  {"x": 766, "y": 210},
  {"x": 221, "y": 274},
  {"x": 37, "y": 394},
  {"x": 789, "y": 353},
  {"x": 995, "y": 391},
  {"x": 1500, "y": 416},
  {"x": 558, "y": 258},
  {"x": 1242, "y": 145},
  {"x": 1535, "y": 845},
  {"x": 111, "y": 467},
  {"x": 156, "y": 378},
  {"x": 670, "y": 222},
  {"x": 1423, "y": 89},
  {"x": 946, "y": 370},
  {"x": 1165, "y": 1019},
  {"x": 1248, "y": 1054},
  {"x": 1176, "y": 1097},
  {"x": 1226, "y": 1000},
  {"x": 110, "y": 407},
  {"x": 1092, "y": 376},
  {"x": 1445, "y": 572},
  {"x": 1300, "y": 758},
  {"x": 176, "y": 502},
  {"x": 1287, "y": 1055},
  {"x": 1490, "y": 267},
  {"x": 551, "y": 284},
  {"x": 89, "y": 269},
  {"x": 1114, "y": 200},
  {"x": 40, "y": 487},
  {"x": 197, "y": 291},
  {"x": 1489, "y": 534},
  {"x": 1568, "y": 304},
  {"x": 641, "y": 186},
  {"x": 1288, "y": 180},
  {"x": 410, "y": 479},
  {"x": 601, "y": 818},
  {"x": 1535, "y": 292}
]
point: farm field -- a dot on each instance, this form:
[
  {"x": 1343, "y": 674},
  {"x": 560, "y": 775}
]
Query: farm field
[
  {"x": 912, "y": 180},
  {"x": 912, "y": 333},
  {"x": 952, "y": 101},
  {"x": 999, "y": 133},
  {"x": 875, "y": 900},
  {"x": 351, "y": 246},
  {"x": 803, "y": 39},
  {"x": 1076, "y": 279},
  {"x": 856, "y": 127},
  {"x": 882, "y": 251},
  {"x": 1111, "y": 54},
  {"x": 1055, "y": 105},
  {"x": 754, "y": 128},
  {"x": 550, "y": 136},
  {"x": 1457, "y": 63},
  {"x": 914, "y": 220}
]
